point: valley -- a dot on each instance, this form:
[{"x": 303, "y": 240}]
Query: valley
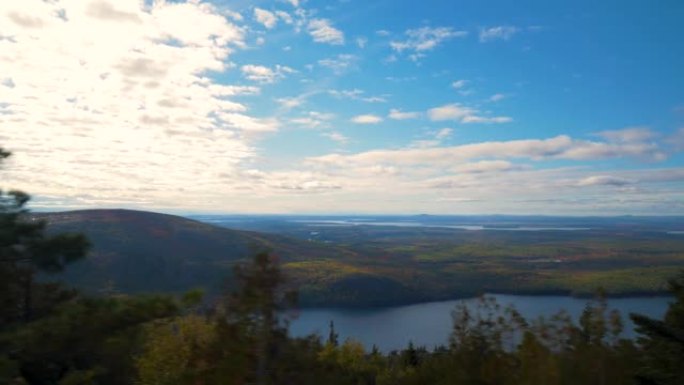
[{"x": 379, "y": 261}]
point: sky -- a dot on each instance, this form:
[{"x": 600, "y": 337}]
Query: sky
[{"x": 345, "y": 106}]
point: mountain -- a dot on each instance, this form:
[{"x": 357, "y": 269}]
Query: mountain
[
  {"x": 362, "y": 265},
  {"x": 136, "y": 251}
]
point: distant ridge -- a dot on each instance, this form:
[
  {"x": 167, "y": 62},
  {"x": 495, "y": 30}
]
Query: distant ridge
[{"x": 140, "y": 251}]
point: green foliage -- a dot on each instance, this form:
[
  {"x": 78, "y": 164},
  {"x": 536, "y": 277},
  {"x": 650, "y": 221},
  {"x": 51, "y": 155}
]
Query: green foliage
[
  {"x": 25, "y": 249},
  {"x": 175, "y": 351},
  {"x": 50, "y": 335},
  {"x": 87, "y": 338},
  {"x": 143, "y": 252},
  {"x": 663, "y": 341},
  {"x": 137, "y": 252}
]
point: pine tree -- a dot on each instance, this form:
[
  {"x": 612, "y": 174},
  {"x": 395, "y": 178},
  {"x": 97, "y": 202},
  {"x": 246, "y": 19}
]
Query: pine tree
[
  {"x": 25, "y": 249},
  {"x": 332, "y": 335},
  {"x": 663, "y": 341},
  {"x": 251, "y": 320}
]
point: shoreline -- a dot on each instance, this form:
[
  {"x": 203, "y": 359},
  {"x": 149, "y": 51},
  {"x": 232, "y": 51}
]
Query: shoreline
[{"x": 385, "y": 305}]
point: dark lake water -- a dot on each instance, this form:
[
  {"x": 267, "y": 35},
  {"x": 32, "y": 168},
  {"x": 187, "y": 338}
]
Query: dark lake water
[{"x": 429, "y": 324}]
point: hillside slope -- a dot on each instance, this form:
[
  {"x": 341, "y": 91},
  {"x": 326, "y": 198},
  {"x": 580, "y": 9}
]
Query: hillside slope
[{"x": 135, "y": 251}]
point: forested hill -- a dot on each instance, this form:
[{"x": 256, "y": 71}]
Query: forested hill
[
  {"x": 137, "y": 251},
  {"x": 361, "y": 265}
]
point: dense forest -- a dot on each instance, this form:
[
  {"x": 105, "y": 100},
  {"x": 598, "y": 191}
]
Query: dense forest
[
  {"x": 52, "y": 334},
  {"x": 364, "y": 265}
]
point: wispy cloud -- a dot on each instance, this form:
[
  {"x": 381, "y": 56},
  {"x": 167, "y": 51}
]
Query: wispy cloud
[
  {"x": 366, "y": 119},
  {"x": 444, "y": 133},
  {"x": 502, "y": 32},
  {"x": 628, "y": 135},
  {"x": 497, "y": 97},
  {"x": 322, "y": 31},
  {"x": 420, "y": 40},
  {"x": 124, "y": 112},
  {"x": 486, "y": 166},
  {"x": 397, "y": 114},
  {"x": 463, "y": 114},
  {"x": 357, "y": 94},
  {"x": 189, "y": 105},
  {"x": 604, "y": 180},
  {"x": 337, "y": 137},
  {"x": 266, "y": 18},
  {"x": 559, "y": 147},
  {"x": 459, "y": 84},
  {"x": 289, "y": 103},
  {"x": 285, "y": 17},
  {"x": 339, "y": 64},
  {"x": 262, "y": 74},
  {"x": 314, "y": 119}
]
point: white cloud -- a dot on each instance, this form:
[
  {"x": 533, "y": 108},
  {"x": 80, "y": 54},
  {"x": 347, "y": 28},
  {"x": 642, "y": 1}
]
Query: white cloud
[
  {"x": 366, "y": 119},
  {"x": 284, "y": 16},
  {"x": 361, "y": 42},
  {"x": 485, "y": 166},
  {"x": 559, "y": 147},
  {"x": 402, "y": 115},
  {"x": 240, "y": 121},
  {"x": 289, "y": 103},
  {"x": 337, "y": 137},
  {"x": 227, "y": 90},
  {"x": 463, "y": 114},
  {"x": 106, "y": 11},
  {"x": 112, "y": 103},
  {"x": 424, "y": 143},
  {"x": 496, "y": 97},
  {"x": 314, "y": 119},
  {"x": 339, "y": 64},
  {"x": 283, "y": 183},
  {"x": 628, "y": 135},
  {"x": 348, "y": 94},
  {"x": 502, "y": 32},
  {"x": 444, "y": 133},
  {"x": 374, "y": 99},
  {"x": 307, "y": 122},
  {"x": 401, "y": 79},
  {"x": 236, "y": 16},
  {"x": 357, "y": 94},
  {"x": 424, "y": 39},
  {"x": 322, "y": 31},
  {"x": 459, "y": 84},
  {"x": 604, "y": 180},
  {"x": 262, "y": 74},
  {"x": 436, "y": 139},
  {"x": 266, "y": 18},
  {"x": 485, "y": 119}
]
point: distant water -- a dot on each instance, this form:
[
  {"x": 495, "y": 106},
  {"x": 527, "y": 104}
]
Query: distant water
[
  {"x": 237, "y": 222},
  {"x": 429, "y": 324},
  {"x": 370, "y": 222}
]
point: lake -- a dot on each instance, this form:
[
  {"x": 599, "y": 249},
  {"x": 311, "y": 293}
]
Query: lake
[{"x": 429, "y": 324}]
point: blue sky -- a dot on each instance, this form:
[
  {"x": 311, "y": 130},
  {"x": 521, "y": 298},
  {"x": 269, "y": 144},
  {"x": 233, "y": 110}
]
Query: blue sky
[{"x": 286, "y": 106}]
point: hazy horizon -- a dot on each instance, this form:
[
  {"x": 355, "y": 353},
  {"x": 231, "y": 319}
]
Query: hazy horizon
[{"x": 191, "y": 214}]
